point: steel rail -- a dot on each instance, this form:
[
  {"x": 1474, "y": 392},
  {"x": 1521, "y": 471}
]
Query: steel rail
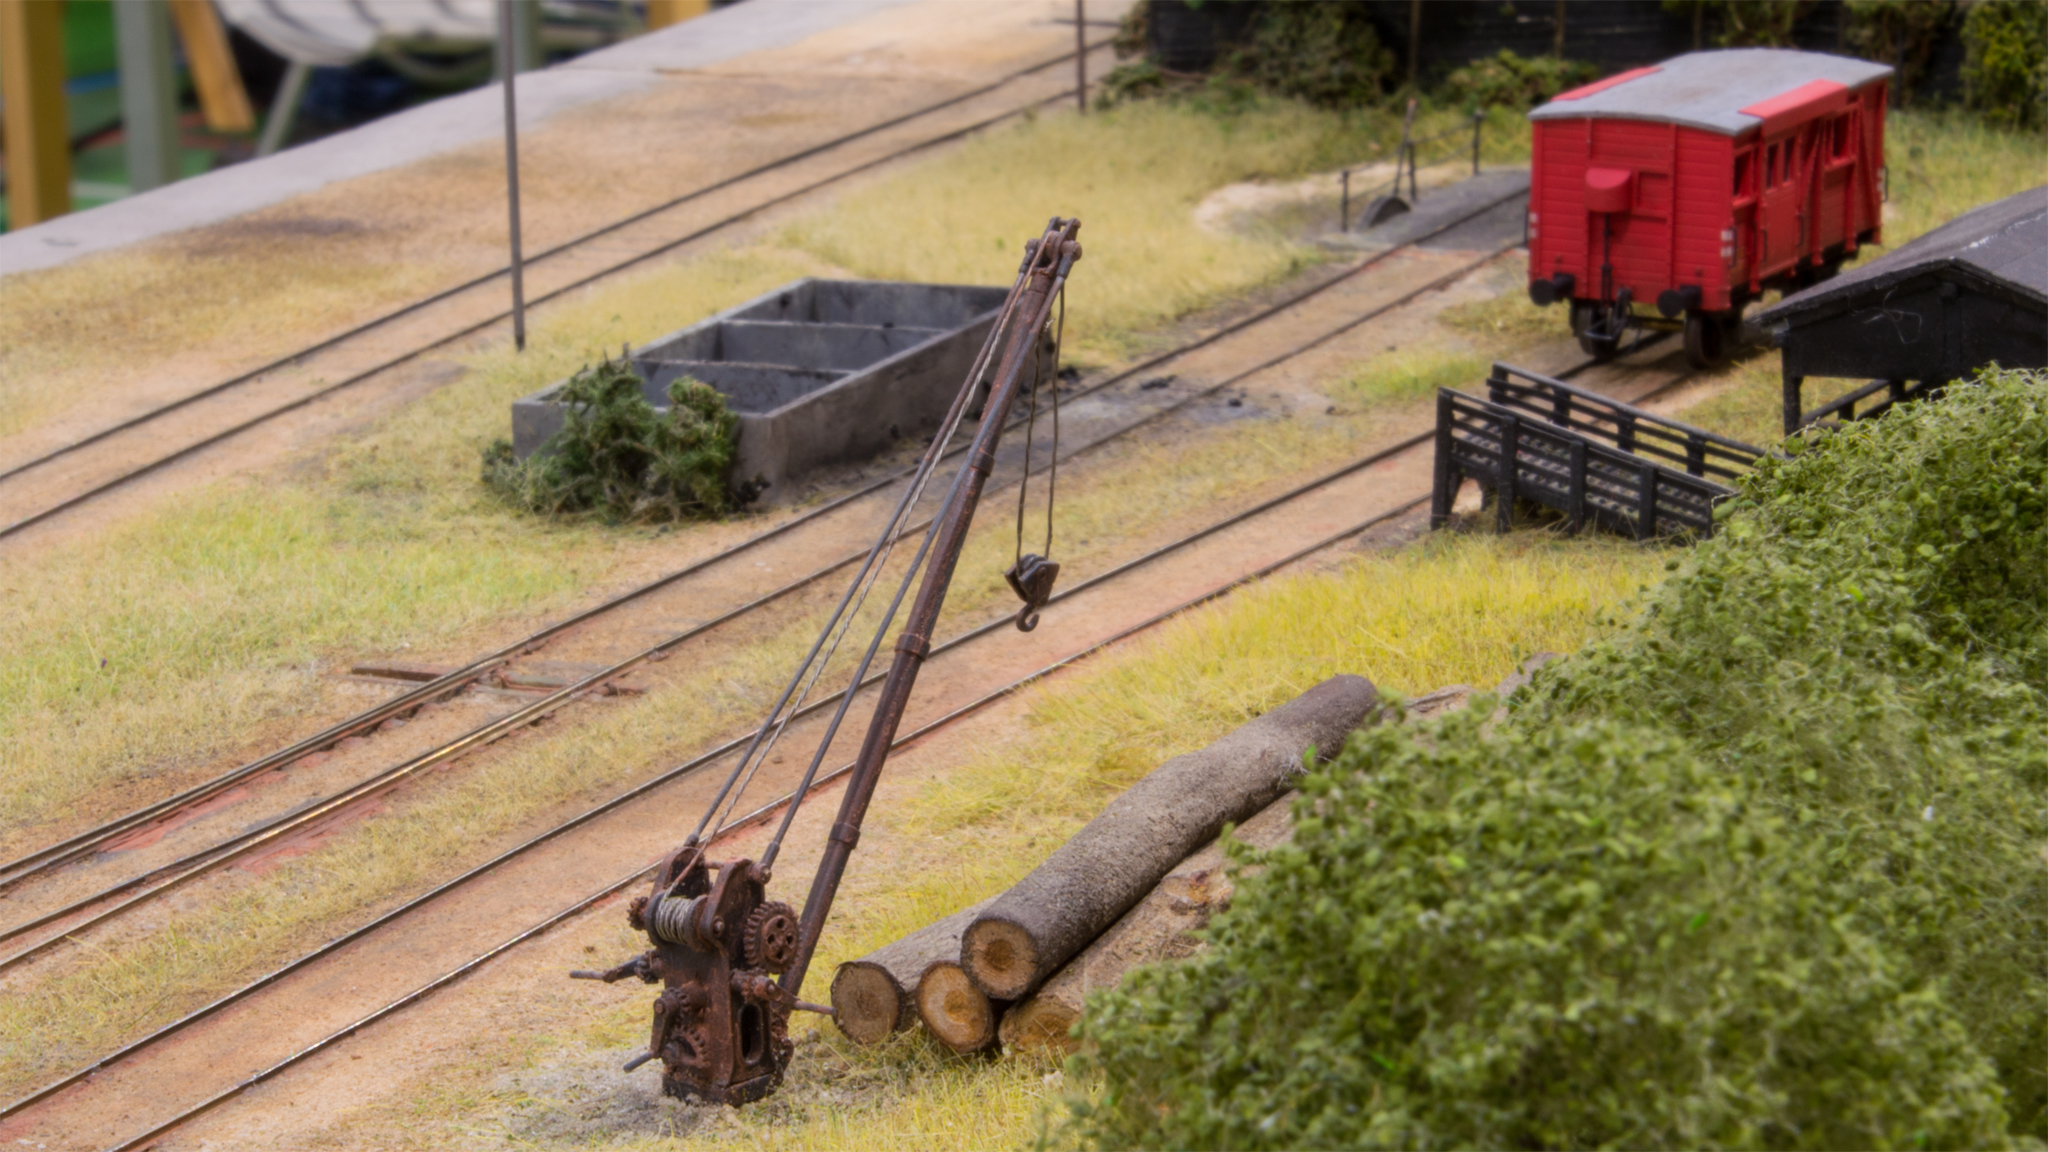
[
  {"x": 577, "y": 907},
  {"x": 314, "y": 395},
  {"x": 85, "y": 842},
  {"x": 205, "y": 861},
  {"x": 694, "y": 765},
  {"x": 485, "y": 278}
]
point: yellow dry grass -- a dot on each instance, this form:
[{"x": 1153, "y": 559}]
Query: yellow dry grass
[
  {"x": 225, "y": 601},
  {"x": 1457, "y": 609},
  {"x": 79, "y": 328},
  {"x": 182, "y": 632}
]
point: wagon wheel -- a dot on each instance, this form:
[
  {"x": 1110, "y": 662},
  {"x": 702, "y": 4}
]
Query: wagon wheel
[
  {"x": 1584, "y": 316},
  {"x": 1705, "y": 340}
]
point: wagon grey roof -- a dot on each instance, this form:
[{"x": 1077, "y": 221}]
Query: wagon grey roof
[
  {"x": 2003, "y": 244},
  {"x": 1708, "y": 90}
]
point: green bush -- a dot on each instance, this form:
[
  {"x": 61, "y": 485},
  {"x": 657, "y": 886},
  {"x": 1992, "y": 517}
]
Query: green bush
[
  {"x": 1510, "y": 81},
  {"x": 1325, "y": 54},
  {"x": 1901, "y": 33},
  {"x": 617, "y": 456},
  {"x": 1768, "y": 866},
  {"x": 1575, "y": 937},
  {"x": 2005, "y": 65}
]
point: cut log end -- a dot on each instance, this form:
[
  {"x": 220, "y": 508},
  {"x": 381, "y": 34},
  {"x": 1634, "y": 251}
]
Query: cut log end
[
  {"x": 866, "y": 1002},
  {"x": 1040, "y": 1024},
  {"x": 1001, "y": 957},
  {"x": 954, "y": 1010}
]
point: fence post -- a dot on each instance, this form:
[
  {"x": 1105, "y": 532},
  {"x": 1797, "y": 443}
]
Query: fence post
[
  {"x": 1444, "y": 492},
  {"x": 1344, "y": 204},
  {"x": 1695, "y": 456},
  {"x": 1504, "y": 492},
  {"x": 1561, "y": 410},
  {"x": 1625, "y": 432},
  {"x": 1478, "y": 119},
  {"x": 1646, "y": 503},
  {"x": 1578, "y": 495}
]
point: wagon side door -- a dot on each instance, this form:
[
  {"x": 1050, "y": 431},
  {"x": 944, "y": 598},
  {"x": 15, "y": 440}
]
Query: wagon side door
[{"x": 1779, "y": 203}]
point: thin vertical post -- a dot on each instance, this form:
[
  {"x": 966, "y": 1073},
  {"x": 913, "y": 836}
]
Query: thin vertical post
[
  {"x": 1794, "y": 405},
  {"x": 1445, "y": 489},
  {"x": 1646, "y": 504},
  {"x": 149, "y": 92},
  {"x": 1625, "y": 432},
  {"x": 1344, "y": 204},
  {"x": 1478, "y": 119},
  {"x": 37, "y": 136},
  {"x": 1081, "y": 56},
  {"x": 1414, "y": 44},
  {"x": 508, "y": 61},
  {"x": 284, "y": 108},
  {"x": 1577, "y": 523},
  {"x": 1504, "y": 491},
  {"x": 1695, "y": 456},
  {"x": 1557, "y": 33}
]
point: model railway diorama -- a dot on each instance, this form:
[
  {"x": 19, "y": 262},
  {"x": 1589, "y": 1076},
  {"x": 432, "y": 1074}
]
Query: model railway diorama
[{"x": 1694, "y": 219}]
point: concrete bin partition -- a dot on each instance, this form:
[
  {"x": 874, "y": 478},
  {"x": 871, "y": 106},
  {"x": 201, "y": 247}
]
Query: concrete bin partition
[{"x": 819, "y": 372}]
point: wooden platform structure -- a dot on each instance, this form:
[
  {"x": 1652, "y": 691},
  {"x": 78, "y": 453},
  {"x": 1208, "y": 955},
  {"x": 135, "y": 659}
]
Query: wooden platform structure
[
  {"x": 1596, "y": 460},
  {"x": 1972, "y": 292}
]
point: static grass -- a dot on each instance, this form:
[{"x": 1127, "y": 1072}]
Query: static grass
[
  {"x": 1406, "y": 377},
  {"x": 1133, "y": 174},
  {"x": 1945, "y": 162},
  {"x": 222, "y": 638},
  {"x": 1450, "y": 610},
  {"x": 76, "y": 329},
  {"x": 177, "y": 633},
  {"x": 373, "y": 865}
]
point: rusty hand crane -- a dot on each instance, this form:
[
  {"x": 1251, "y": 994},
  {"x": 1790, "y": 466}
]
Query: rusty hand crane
[{"x": 732, "y": 962}]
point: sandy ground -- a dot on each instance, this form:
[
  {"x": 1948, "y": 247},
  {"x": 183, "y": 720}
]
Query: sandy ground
[{"x": 429, "y": 226}]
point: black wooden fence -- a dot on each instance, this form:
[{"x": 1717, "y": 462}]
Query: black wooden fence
[{"x": 1596, "y": 460}]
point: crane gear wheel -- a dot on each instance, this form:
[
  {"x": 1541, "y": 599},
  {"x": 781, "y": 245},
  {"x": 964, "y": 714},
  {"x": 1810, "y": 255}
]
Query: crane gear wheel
[{"x": 771, "y": 936}]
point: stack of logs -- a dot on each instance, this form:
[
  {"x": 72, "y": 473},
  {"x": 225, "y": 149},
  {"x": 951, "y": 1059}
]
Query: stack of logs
[{"x": 1130, "y": 888}]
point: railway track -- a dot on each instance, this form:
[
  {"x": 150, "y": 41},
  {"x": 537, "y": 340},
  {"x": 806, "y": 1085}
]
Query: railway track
[
  {"x": 1338, "y": 496},
  {"x": 76, "y": 916},
  {"x": 85, "y": 469}
]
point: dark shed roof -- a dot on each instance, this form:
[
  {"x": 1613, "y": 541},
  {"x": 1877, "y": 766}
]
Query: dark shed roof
[
  {"x": 1712, "y": 91},
  {"x": 2003, "y": 244},
  {"x": 1969, "y": 293}
]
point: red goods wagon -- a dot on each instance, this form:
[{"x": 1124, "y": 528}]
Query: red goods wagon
[{"x": 1698, "y": 183}]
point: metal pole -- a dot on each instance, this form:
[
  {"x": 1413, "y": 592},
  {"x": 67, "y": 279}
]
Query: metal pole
[
  {"x": 1344, "y": 204},
  {"x": 508, "y": 60},
  {"x": 284, "y": 108},
  {"x": 1081, "y": 55},
  {"x": 1478, "y": 119},
  {"x": 149, "y": 92}
]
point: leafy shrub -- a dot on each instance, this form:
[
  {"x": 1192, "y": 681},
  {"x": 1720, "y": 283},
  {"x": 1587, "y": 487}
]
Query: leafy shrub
[
  {"x": 1326, "y": 54},
  {"x": 1901, "y": 33},
  {"x": 1573, "y": 937},
  {"x": 1510, "y": 81},
  {"x": 1768, "y": 866},
  {"x": 2005, "y": 66},
  {"x": 1744, "y": 23},
  {"x": 616, "y": 455}
]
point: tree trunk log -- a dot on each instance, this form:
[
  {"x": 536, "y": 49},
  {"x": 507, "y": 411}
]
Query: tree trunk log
[
  {"x": 954, "y": 1010},
  {"x": 1159, "y": 927},
  {"x": 871, "y": 996},
  {"x": 1066, "y": 902}
]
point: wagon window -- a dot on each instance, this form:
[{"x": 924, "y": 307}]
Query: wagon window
[
  {"x": 1844, "y": 139},
  {"x": 1742, "y": 167},
  {"x": 1771, "y": 167}
]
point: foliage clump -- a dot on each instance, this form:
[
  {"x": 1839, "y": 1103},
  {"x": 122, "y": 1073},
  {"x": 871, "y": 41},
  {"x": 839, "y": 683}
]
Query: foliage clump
[
  {"x": 1507, "y": 80},
  {"x": 1325, "y": 54},
  {"x": 1766, "y": 867},
  {"x": 2005, "y": 65},
  {"x": 617, "y": 456}
]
